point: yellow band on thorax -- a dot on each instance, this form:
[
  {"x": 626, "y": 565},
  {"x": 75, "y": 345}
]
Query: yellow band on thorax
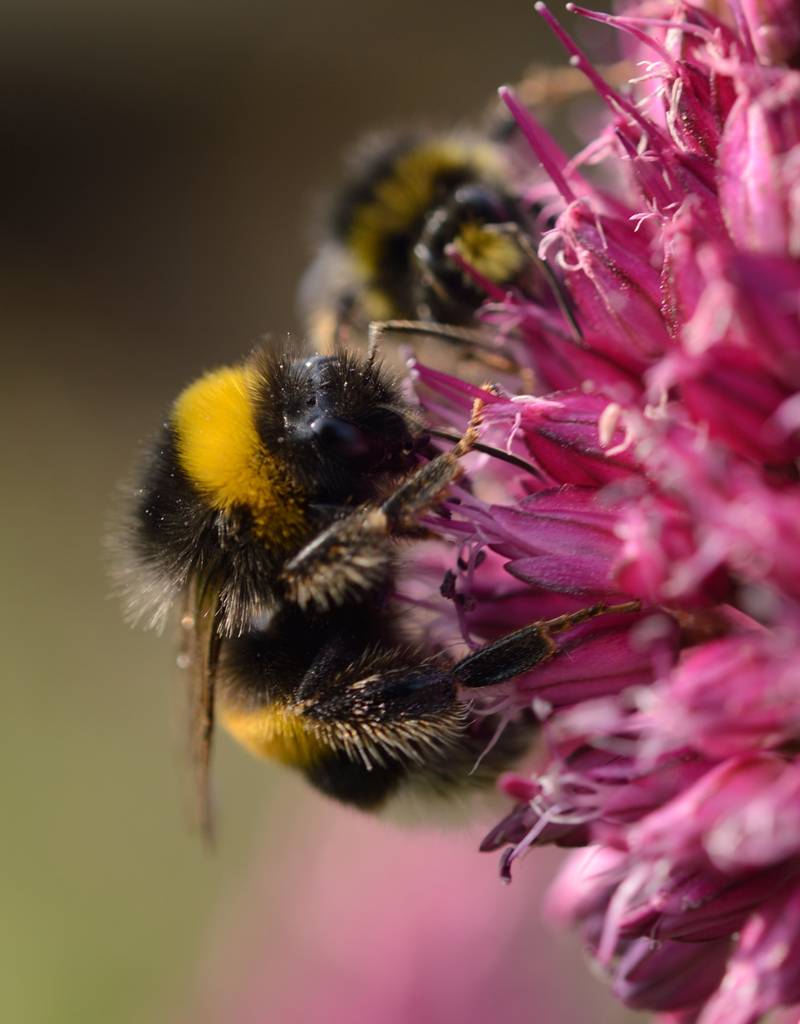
[{"x": 220, "y": 451}]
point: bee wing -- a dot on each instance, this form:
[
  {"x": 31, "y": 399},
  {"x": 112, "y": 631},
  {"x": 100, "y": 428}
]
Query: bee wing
[{"x": 199, "y": 656}]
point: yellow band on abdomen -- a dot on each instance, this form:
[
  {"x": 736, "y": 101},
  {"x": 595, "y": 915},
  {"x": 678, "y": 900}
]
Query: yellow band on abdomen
[{"x": 275, "y": 732}]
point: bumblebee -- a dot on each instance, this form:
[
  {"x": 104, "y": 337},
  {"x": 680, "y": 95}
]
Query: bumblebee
[
  {"x": 423, "y": 225},
  {"x": 252, "y": 462},
  {"x": 268, "y": 510}
]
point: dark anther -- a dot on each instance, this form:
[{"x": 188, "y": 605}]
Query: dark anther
[{"x": 448, "y": 585}]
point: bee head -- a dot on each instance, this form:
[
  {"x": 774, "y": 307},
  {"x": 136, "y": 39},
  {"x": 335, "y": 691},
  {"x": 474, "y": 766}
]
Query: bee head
[{"x": 339, "y": 421}]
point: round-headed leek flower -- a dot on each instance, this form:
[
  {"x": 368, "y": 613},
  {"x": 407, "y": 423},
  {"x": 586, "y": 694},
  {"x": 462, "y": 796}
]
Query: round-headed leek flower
[{"x": 665, "y": 428}]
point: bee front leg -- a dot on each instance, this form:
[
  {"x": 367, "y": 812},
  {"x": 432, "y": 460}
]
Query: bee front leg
[
  {"x": 354, "y": 555},
  {"x": 348, "y": 559}
]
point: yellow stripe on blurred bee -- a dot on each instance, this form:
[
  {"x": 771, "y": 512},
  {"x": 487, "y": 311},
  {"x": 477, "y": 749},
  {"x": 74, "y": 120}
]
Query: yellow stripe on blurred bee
[
  {"x": 405, "y": 195},
  {"x": 493, "y": 253}
]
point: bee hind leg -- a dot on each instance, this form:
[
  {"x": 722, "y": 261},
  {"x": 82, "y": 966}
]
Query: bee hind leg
[
  {"x": 526, "y": 648},
  {"x": 378, "y": 720}
]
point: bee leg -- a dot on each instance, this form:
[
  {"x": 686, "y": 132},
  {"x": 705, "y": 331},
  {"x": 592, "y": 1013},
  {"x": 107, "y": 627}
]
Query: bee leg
[
  {"x": 352, "y": 556},
  {"x": 424, "y": 489},
  {"x": 473, "y": 340},
  {"x": 377, "y": 720},
  {"x": 200, "y": 653},
  {"x": 523, "y": 650}
]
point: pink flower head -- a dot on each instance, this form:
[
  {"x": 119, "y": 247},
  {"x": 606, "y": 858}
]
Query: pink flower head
[
  {"x": 612, "y": 277},
  {"x": 669, "y": 975},
  {"x": 764, "y": 970},
  {"x": 675, "y": 832},
  {"x": 774, "y": 29},
  {"x": 763, "y": 831},
  {"x": 564, "y": 435},
  {"x": 660, "y": 558},
  {"x": 759, "y": 163},
  {"x": 663, "y": 440},
  {"x": 701, "y": 709},
  {"x": 732, "y": 392}
]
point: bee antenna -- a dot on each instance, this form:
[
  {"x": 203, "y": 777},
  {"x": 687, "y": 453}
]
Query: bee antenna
[
  {"x": 471, "y": 337},
  {"x": 487, "y": 449}
]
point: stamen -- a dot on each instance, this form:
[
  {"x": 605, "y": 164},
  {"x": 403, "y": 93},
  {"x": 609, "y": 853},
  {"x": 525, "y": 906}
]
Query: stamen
[
  {"x": 444, "y": 382},
  {"x": 629, "y": 25},
  {"x": 627, "y": 20},
  {"x": 615, "y": 100},
  {"x": 498, "y": 732},
  {"x": 544, "y": 148},
  {"x": 655, "y": 184}
]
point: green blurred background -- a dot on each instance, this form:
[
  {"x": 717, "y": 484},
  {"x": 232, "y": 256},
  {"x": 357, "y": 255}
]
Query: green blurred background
[{"x": 162, "y": 162}]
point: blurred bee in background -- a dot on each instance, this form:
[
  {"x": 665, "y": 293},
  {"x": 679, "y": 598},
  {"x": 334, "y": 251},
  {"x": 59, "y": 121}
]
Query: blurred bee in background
[
  {"x": 421, "y": 225},
  {"x": 268, "y": 511},
  {"x": 429, "y": 225}
]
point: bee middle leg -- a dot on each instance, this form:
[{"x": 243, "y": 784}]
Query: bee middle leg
[{"x": 472, "y": 341}]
